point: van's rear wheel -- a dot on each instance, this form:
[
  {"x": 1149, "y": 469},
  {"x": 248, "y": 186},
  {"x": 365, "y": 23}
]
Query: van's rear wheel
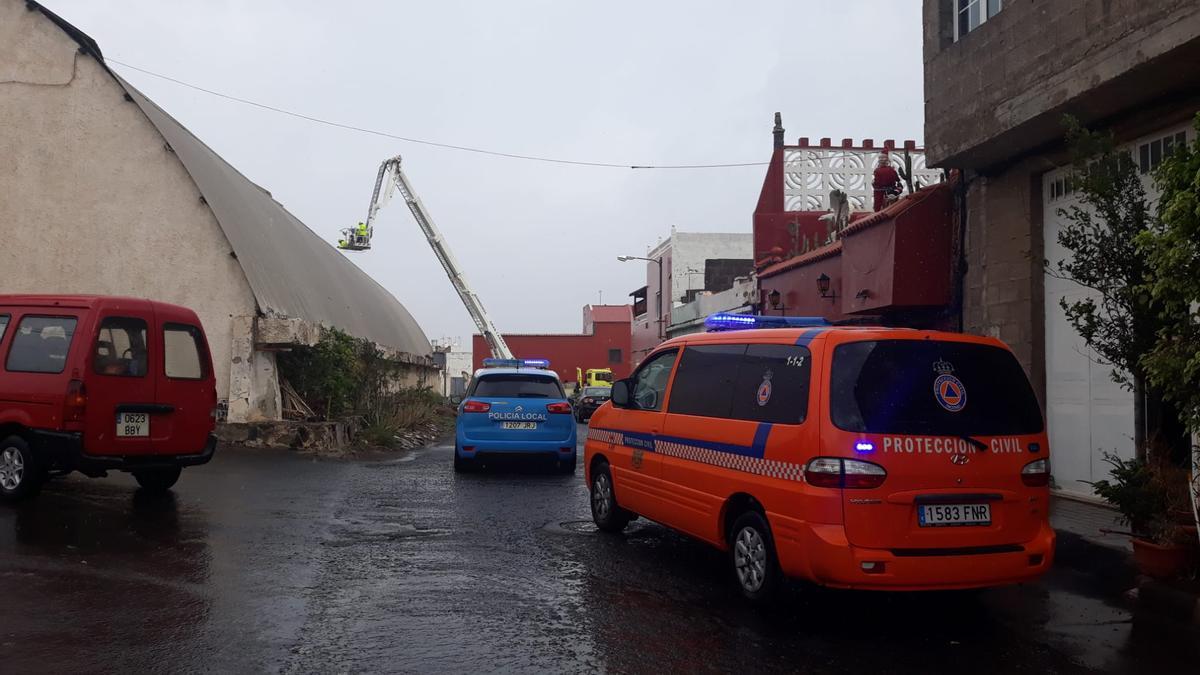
[
  {"x": 606, "y": 513},
  {"x": 157, "y": 480},
  {"x": 752, "y": 552},
  {"x": 20, "y": 474}
]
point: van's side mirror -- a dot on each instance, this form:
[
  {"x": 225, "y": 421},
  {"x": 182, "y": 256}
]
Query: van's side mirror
[
  {"x": 455, "y": 400},
  {"x": 620, "y": 394}
]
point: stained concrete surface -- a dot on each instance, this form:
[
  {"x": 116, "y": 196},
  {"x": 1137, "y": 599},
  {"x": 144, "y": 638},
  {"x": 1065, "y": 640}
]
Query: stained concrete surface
[{"x": 270, "y": 561}]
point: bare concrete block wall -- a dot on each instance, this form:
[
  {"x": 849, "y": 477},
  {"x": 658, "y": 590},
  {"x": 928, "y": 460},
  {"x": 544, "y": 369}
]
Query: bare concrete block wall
[
  {"x": 1003, "y": 87},
  {"x": 1004, "y": 283}
]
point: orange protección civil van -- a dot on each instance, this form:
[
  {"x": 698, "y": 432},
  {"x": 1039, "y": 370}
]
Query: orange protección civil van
[{"x": 852, "y": 457}]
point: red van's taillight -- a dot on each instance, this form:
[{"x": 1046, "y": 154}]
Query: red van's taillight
[
  {"x": 835, "y": 472},
  {"x": 558, "y": 408},
  {"x": 1036, "y": 473},
  {"x": 476, "y": 407},
  {"x": 75, "y": 404}
]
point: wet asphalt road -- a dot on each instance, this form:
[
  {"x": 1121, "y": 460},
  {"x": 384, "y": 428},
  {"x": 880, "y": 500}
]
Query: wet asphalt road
[{"x": 271, "y": 561}]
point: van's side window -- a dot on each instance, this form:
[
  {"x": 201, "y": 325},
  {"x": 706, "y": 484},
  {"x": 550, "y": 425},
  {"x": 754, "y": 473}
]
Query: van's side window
[
  {"x": 3, "y": 325},
  {"x": 121, "y": 347},
  {"x": 40, "y": 344},
  {"x": 772, "y": 384},
  {"x": 650, "y": 381},
  {"x": 182, "y": 349},
  {"x": 704, "y": 381}
]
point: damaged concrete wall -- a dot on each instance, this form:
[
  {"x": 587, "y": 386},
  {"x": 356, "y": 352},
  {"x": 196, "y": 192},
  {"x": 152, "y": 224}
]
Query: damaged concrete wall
[{"x": 92, "y": 199}]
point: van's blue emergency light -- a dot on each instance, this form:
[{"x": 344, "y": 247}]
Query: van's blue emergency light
[
  {"x": 516, "y": 363},
  {"x": 726, "y": 321}
]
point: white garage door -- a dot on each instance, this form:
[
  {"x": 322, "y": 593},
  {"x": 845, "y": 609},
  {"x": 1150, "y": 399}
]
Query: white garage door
[{"x": 1087, "y": 413}]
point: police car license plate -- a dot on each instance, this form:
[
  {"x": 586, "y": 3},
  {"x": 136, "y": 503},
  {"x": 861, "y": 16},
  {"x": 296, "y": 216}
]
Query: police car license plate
[
  {"x": 133, "y": 424},
  {"x": 950, "y": 515},
  {"x": 518, "y": 425}
]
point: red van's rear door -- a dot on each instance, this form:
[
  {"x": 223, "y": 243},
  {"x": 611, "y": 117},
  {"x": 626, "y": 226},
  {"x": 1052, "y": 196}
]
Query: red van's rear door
[
  {"x": 952, "y": 423},
  {"x": 186, "y": 385},
  {"x": 119, "y": 380}
]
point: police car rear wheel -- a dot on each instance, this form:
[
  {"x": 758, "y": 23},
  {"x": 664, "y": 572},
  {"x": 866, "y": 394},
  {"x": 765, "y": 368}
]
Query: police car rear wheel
[
  {"x": 461, "y": 465},
  {"x": 607, "y": 515},
  {"x": 752, "y": 553}
]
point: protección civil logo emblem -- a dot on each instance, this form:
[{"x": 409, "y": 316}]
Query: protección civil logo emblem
[
  {"x": 764, "y": 390},
  {"x": 948, "y": 389}
]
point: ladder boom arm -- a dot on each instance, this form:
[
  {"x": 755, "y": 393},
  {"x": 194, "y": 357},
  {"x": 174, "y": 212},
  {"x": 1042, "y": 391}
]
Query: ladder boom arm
[{"x": 441, "y": 250}]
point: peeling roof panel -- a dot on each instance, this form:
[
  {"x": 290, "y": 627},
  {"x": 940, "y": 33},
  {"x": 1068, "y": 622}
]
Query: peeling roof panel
[{"x": 292, "y": 271}]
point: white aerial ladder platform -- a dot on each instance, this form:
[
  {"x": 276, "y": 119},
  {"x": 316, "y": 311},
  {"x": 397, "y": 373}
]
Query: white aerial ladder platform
[{"x": 359, "y": 239}]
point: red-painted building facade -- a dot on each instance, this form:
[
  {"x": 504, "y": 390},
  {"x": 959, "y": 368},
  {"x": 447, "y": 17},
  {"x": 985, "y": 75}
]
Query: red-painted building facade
[
  {"x": 895, "y": 265},
  {"x": 604, "y": 343}
]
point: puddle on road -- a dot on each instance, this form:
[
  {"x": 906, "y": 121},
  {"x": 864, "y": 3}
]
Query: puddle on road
[
  {"x": 572, "y": 527},
  {"x": 351, "y": 534}
]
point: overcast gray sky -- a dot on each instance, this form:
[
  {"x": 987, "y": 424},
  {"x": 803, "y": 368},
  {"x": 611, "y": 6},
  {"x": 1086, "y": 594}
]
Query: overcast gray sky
[{"x": 670, "y": 81}]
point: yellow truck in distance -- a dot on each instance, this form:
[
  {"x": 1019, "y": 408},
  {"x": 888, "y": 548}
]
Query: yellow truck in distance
[{"x": 594, "y": 377}]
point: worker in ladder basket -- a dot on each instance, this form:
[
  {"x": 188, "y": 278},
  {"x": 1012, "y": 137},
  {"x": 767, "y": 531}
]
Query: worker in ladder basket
[{"x": 361, "y": 234}]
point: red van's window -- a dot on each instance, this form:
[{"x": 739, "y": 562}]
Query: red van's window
[
  {"x": 40, "y": 344},
  {"x": 927, "y": 387},
  {"x": 3, "y": 325},
  {"x": 182, "y": 349},
  {"x": 121, "y": 347}
]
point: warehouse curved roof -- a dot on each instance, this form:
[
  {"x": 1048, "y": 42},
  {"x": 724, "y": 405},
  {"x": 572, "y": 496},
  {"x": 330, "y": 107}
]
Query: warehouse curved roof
[{"x": 292, "y": 272}]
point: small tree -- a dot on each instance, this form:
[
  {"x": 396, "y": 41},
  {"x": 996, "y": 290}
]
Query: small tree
[
  {"x": 1172, "y": 250},
  {"x": 1121, "y": 322}
]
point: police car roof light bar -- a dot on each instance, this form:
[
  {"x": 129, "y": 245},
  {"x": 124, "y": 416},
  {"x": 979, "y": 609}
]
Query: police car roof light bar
[
  {"x": 516, "y": 363},
  {"x": 725, "y": 321}
]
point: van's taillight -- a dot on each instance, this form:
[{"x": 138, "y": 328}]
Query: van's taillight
[
  {"x": 835, "y": 472},
  {"x": 476, "y": 407},
  {"x": 75, "y": 403},
  {"x": 1036, "y": 473},
  {"x": 559, "y": 408}
]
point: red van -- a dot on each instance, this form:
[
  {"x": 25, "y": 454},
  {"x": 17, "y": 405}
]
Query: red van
[{"x": 94, "y": 383}]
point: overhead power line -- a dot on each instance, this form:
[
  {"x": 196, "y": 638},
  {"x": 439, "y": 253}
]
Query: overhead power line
[{"x": 421, "y": 141}]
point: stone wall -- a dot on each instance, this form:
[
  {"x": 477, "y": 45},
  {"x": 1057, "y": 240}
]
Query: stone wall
[{"x": 1002, "y": 89}]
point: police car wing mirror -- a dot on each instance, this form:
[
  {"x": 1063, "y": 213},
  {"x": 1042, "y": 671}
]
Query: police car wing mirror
[{"x": 620, "y": 394}]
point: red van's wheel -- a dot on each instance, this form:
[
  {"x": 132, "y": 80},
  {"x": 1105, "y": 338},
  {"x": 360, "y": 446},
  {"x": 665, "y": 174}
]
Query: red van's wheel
[
  {"x": 606, "y": 513},
  {"x": 20, "y": 475},
  {"x": 752, "y": 552},
  {"x": 157, "y": 480}
]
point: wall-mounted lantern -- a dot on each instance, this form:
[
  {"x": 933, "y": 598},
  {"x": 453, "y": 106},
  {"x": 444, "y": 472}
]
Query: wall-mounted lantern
[{"x": 823, "y": 287}]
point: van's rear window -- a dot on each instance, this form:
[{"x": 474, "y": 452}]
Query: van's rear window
[
  {"x": 517, "y": 386},
  {"x": 928, "y": 387}
]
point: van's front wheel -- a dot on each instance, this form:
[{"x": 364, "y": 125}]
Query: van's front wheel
[
  {"x": 752, "y": 552},
  {"x": 607, "y": 515},
  {"x": 157, "y": 480},
  {"x": 20, "y": 475}
]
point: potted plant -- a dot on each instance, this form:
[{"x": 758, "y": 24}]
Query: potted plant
[{"x": 1150, "y": 496}]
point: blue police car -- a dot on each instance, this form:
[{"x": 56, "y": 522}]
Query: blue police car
[{"x": 514, "y": 407}]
